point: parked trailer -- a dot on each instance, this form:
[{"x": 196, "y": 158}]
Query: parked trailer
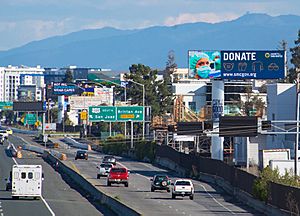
[
  {"x": 284, "y": 166},
  {"x": 272, "y": 154},
  {"x": 27, "y": 181}
]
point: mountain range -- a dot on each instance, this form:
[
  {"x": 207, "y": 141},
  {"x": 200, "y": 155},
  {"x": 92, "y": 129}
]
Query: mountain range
[{"x": 117, "y": 49}]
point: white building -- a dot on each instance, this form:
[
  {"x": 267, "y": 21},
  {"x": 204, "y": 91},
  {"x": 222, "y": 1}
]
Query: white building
[
  {"x": 12, "y": 77},
  {"x": 281, "y": 106}
]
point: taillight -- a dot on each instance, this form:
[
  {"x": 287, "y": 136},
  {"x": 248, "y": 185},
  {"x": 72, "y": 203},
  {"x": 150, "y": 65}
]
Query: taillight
[{"x": 174, "y": 188}]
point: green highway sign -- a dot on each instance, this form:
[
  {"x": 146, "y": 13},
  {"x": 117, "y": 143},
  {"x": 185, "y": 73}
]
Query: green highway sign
[
  {"x": 130, "y": 113},
  {"x": 8, "y": 105},
  {"x": 31, "y": 119},
  {"x": 112, "y": 114},
  {"x": 102, "y": 113}
]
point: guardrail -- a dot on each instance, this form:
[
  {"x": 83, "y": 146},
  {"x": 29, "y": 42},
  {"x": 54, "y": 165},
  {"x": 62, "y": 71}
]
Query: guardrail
[
  {"x": 76, "y": 144},
  {"x": 117, "y": 206}
]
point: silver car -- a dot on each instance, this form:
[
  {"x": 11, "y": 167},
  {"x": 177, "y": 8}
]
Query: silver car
[{"x": 103, "y": 169}]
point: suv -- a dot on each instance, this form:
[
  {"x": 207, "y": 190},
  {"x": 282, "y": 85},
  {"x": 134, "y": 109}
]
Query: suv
[
  {"x": 118, "y": 175},
  {"x": 109, "y": 159},
  {"x": 104, "y": 169},
  {"x": 183, "y": 187},
  {"x": 81, "y": 154},
  {"x": 160, "y": 182}
]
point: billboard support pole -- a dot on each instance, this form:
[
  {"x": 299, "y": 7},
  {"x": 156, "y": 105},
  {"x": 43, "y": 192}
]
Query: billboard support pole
[{"x": 217, "y": 111}]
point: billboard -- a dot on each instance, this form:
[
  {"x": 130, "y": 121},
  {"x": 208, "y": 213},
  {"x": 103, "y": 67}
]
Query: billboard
[
  {"x": 66, "y": 89},
  {"x": 83, "y": 102},
  {"x": 241, "y": 64},
  {"x": 204, "y": 64}
]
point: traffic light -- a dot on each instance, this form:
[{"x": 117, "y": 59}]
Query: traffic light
[{"x": 68, "y": 108}]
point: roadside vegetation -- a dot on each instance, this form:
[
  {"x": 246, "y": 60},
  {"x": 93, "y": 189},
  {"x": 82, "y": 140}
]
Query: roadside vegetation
[
  {"x": 117, "y": 145},
  {"x": 261, "y": 188}
]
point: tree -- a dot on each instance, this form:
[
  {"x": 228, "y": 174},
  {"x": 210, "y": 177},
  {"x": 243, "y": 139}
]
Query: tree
[
  {"x": 165, "y": 87},
  {"x": 283, "y": 45},
  {"x": 293, "y": 72},
  {"x": 144, "y": 75},
  {"x": 68, "y": 77}
]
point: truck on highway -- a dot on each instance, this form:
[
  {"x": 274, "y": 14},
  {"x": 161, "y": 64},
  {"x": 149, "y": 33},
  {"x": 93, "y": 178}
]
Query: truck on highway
[
  {"x": 183, "y": 187},
  {"x": 26, "y": 181}
]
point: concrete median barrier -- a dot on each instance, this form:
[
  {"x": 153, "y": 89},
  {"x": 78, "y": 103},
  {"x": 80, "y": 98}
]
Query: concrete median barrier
[
  {"x": 76, "y": 144},
  {"x": 116, "y": 205}
]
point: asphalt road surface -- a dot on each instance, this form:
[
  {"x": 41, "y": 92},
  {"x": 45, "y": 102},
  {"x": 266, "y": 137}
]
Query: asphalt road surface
[
  {"x": 208, "y": 199},
  {"x": 59, "y": 196}
]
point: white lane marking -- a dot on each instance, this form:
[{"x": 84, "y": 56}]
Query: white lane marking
[
  {"x": 52, "y": 213},
  {"x": 170, "y": 207},
  {"x": 48, "y": 207},
  {"x": 11, "y": 144},
  {"x": 2, "y": 214},
  {"x": 217, "y": 200}
]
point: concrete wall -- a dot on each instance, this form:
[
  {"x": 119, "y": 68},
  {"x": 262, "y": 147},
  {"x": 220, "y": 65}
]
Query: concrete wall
[{"x": 117, "y": 206}]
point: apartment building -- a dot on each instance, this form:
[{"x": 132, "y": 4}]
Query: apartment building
[{"x": 11, "y": 77}]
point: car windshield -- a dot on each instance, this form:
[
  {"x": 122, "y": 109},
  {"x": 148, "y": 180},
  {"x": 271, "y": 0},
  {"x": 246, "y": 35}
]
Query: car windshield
[
  {"x": 106, "y": 165},
  {"x": 161, "y": 178},
  {"x": 185, "y": 183},
  {"x": 120, "y": 170}
]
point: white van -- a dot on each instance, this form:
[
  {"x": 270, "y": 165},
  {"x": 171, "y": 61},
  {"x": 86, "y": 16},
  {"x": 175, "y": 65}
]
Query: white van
[{"x": 26, "y": 181}]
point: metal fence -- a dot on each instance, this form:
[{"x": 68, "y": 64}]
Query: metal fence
[{"x": 284, "y": 197}]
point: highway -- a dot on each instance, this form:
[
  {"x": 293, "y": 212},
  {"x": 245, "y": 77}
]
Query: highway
[
  {"x": 209, "y": 200},
  {"x": 59, "y": 195}
]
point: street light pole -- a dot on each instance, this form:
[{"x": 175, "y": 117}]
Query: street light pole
[{"x": 143, "y": 105}]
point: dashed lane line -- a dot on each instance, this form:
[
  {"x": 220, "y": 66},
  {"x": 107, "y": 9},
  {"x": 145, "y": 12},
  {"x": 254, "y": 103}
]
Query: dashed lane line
[{"x": 46, "y": 204}]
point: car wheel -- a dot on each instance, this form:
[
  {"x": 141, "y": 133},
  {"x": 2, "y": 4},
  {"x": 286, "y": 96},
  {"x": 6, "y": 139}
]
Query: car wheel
[
  {"x": 191, "y": 197},
  {"x": 168, "y": 190},
  {"x": 7, "y": 189},
  {"x": 98, "y": 176},
  {"x": 173, "y": 196},
  {"x": 152, "y": 189},
  {"x": 15, "y": 197},
  {"x": 126, "y": 184},
  {"x": 108, "y": 183},
  {"x": 75, "y": 158}
]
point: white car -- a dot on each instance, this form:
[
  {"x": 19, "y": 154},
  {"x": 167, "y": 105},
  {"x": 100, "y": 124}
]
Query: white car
[
  {"x": 183, "y": 187},
  {"x": 104, "y": 169}
]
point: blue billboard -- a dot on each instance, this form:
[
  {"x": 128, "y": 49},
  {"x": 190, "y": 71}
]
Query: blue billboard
[
  {"x": 204, "y": 64},
  {"x": 237, "y": 64},
  {"x": 253, "y": 64},
  {"x": 66, "y": 89}
]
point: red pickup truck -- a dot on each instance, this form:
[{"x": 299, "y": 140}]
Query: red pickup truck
[{"x": 118, "y": 175}]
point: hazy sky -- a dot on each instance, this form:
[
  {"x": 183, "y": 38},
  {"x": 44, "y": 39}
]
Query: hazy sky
[{"x": 22, "y": 21}]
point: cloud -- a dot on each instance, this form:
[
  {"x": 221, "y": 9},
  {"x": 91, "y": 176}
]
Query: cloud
[{"x": 199, "y": 17}]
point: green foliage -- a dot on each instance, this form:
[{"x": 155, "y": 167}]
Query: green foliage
[
  {"x": 295, "y": 51},
  {"x": 115, "y": 145},
  {"x": 157, "y": 92},
  {"x": 68, "y": 77},
  {"x": 145, "y": 149},
  {"x": 260, "y": 187}
]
